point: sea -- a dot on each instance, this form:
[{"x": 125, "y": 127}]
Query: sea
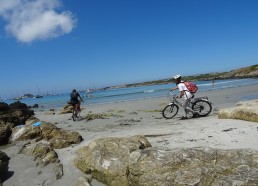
[{"x": 131, "y": 93}]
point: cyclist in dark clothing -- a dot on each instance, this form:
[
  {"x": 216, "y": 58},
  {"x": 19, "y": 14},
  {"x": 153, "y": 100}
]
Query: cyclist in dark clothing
[
  {"x": 75, "y": 97},
  {"x": 75, "y": 101}
]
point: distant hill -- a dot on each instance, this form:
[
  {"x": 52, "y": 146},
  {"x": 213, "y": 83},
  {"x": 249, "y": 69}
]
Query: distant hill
[{"x": 246, "y": 72}]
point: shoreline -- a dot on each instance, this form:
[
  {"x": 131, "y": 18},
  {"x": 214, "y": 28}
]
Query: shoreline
[
  {"x": 140, "y": 117},
  {"x": 57, "y": 102}
]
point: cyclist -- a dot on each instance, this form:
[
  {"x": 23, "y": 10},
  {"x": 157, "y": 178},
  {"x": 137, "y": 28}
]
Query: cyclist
[
  {"x": 75, "y": 101},
  {"x": 185, "y": 93}
]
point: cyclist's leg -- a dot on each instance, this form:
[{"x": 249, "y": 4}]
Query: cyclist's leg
[
  {"x": 76, "y": 110},
  {"x": 186, "y": 108}
]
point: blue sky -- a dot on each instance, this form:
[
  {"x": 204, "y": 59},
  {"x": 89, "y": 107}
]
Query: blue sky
[{"x": 58, "y": 45}]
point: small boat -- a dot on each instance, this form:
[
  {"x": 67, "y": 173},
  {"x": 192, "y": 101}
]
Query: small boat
[
  {"x": 38, "y": 96},
  {"x": 17, "y": 98}
]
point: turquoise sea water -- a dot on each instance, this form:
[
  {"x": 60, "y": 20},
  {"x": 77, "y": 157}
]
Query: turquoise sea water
[{"x": 133, "y": 93}]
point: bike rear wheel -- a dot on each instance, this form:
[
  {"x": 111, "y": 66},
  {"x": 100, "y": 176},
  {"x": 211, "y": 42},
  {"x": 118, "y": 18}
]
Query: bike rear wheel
[
  {"x": 170, "y": 111},
  {"x": 202, "y": 107},
  {"x": 77, "y": 116}
]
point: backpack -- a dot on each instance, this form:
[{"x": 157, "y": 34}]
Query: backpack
[
  {"x": 73, "y": 95},
  {"x": 191, "y": 87}
]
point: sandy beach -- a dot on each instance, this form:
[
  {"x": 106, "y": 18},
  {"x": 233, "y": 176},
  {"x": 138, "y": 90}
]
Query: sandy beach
[{"x": 139, "y": 117}]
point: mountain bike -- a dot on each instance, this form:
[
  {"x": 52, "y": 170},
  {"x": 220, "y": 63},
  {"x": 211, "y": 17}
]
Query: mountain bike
[
  {"x": 76, "y": 113},
  {"x": 200, "y": 105}
]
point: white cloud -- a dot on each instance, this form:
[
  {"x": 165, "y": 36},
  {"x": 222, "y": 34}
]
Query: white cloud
[{"x": 30, "y": 20}]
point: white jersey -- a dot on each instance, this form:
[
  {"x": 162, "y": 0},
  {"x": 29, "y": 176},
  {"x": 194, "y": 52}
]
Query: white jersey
[{"x": 181, "y": 86}]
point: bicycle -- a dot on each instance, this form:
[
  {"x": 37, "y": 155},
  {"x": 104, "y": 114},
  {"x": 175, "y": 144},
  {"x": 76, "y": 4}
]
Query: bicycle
[
  {"x": 200, "y": 105},
  {"x": 76, "y": 112}
]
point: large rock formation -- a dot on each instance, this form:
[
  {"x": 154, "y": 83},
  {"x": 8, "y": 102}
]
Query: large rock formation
[
  {"x": 107, "y": 158},
  {"x": 15, "y": 113},
  {"x": 11, "y": 116},
  {"x": 246, "y": 110},
  {"x": 196, "y": 166},
  {"x": 126, "y": 162}
]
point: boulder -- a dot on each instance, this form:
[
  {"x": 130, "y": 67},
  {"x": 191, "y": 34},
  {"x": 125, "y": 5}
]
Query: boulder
[
  {"x": 66, "y": 109},
  {"x": 108, "y": 158},
  {"x": 128, "y": 162},
  {"x": 5, "y": 133},
  {"x": 4, "y": 107},
  {"x": 31, "y": 120},
  {"x": 15, "y": 114},
  {"x": 246, "y": 110},
  {"x": 194, "y": 166},
  {"x": 58, "y": 138},
  {"x": 43, "y": 153}
]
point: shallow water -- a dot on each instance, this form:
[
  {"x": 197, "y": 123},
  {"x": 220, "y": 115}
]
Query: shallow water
[{"x": 133, "y": 93}]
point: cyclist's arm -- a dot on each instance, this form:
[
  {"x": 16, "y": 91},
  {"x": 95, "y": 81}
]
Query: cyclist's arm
[
  {"x": 174, "y": 88},
  {"x": 80, "y": 97}
]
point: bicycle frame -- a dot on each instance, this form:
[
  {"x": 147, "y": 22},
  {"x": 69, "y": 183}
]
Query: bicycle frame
[{"x": 175, "y": 101}]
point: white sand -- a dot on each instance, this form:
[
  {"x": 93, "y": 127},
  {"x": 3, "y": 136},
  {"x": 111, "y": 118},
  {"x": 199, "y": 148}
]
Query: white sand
[{"x": 174, "y": 133}]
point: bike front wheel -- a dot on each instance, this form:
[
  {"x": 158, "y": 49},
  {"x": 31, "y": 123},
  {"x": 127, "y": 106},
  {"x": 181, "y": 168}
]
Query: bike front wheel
[
  {"x": 170, "y": 111},
  {"x": 202, "y": 107}
]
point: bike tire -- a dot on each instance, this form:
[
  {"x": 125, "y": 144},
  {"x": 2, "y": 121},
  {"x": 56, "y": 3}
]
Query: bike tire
[
  {"x": 202, "y": 107},
  {"x": 170, "y": 111}
]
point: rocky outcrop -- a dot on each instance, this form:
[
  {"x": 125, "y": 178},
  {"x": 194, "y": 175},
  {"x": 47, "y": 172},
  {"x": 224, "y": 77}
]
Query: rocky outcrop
[
  {"x": 127, "y": 162},
  {"x": 11, "y": 116},
  {"x": 247, "y": 110},
  {"x": 15, "y": 113},
  {"x": 5, "y": 133},
  {"x": 58, "y": 138},
  {"x": 43, "y": 152},
  {"x": 107, "y": 158},
  {"x": 196, "y": 166},
  {"x": 44, "y": 155}
]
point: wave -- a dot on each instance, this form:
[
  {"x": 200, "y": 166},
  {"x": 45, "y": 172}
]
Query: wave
[{"x": 148, "y": 91}]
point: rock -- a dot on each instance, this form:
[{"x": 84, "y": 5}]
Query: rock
[
  {"x": 247, "y": 110},
  {"x": 18, "y": 132},
  {"x": 58, "y": 138},
  {"x": 43, "y": 153},
  {"x": 119, "y": 161},
  {"x": 5, "y": 133},
  {"x": 15, "y": 114},
  {"x": 4, "y": 107},
  {"x": 17, "y": 105},
  {"x": 58, "y": 169},
  {"x": 31, "y": 120},
  {"x": 4, "y": 159},
  {"x": 67, "y": 109},
  {"x": 35, "y": 106},
  {"x": 108, "y": 158},
  {"x": 82, "y": 181},
  {"x": 194, "y": 166}
]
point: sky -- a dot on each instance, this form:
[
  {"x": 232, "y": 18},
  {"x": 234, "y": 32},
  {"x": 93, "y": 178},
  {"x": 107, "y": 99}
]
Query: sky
[{"x": 55, "y": 46}]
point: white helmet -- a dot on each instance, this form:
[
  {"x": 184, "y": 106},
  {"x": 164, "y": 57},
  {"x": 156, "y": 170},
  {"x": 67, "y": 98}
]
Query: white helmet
[{"x": 177, "y": 76}]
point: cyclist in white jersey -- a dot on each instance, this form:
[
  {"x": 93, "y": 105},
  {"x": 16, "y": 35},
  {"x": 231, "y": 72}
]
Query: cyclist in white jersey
[{"x": 185, "y": 93}]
